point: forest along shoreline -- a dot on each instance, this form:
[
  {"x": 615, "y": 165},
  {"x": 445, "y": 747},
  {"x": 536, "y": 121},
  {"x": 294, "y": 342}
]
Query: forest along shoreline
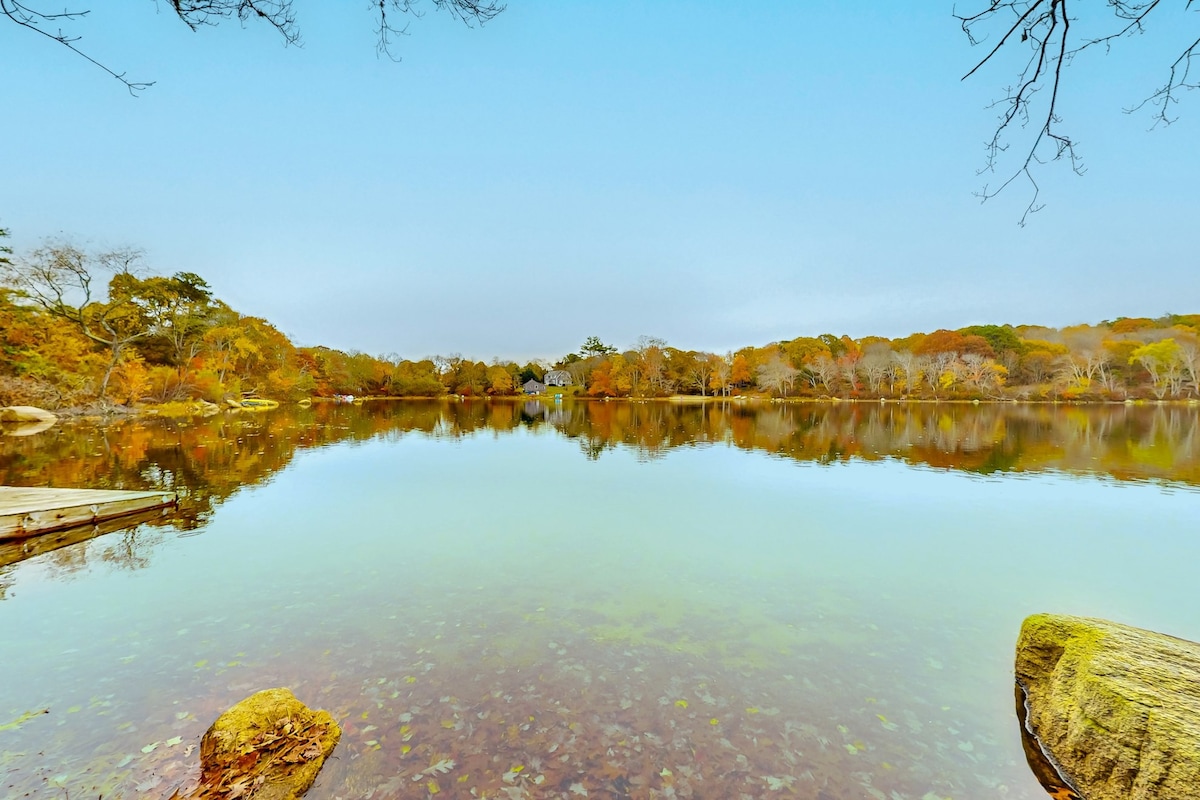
[{"x": 93, "y": 330}]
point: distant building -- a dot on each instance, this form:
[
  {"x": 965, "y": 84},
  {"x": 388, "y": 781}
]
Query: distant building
[
  {"x": 534, "y": 387},
  {"x": 558, "y": 377}
]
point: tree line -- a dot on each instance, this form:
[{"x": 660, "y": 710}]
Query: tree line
[
  {"x": 1126, "y": 358},
  {"x": 80, "y": 327}
]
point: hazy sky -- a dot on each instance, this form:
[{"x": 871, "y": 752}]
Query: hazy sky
[{"x": 716, "y": 174}]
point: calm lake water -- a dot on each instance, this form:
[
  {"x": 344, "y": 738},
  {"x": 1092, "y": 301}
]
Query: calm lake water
[{"x": 508, "y": 600}]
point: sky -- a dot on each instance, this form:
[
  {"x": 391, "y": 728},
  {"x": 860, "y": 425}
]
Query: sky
[{"x": 713, "y": 174}]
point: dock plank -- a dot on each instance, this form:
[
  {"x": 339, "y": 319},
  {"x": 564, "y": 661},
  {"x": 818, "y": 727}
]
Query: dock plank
[
  {"x": 27, "y": 511},
  {"x": 14, "y": 550}
]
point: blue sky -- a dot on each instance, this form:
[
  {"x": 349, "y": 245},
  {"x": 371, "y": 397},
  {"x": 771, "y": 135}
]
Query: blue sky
[{"x": 713, "y": 174}]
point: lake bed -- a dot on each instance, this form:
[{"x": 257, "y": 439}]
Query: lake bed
[{"x": 503, "y": 599}]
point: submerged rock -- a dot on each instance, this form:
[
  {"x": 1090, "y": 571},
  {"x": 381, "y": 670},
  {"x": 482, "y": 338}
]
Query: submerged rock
[
  {"x": 269, "y": 746},
  {"x": 26, "y": 414},
  {"x": 1115, "y": 709}
]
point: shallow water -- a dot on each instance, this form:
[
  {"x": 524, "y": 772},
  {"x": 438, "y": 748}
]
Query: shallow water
[{"x": 602, "y": 600}]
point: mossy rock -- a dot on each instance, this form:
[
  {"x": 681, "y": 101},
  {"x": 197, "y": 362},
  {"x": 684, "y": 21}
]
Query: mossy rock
[
  {"x": 269, "y": 746},
  {"x": 1115, "y": 708}
]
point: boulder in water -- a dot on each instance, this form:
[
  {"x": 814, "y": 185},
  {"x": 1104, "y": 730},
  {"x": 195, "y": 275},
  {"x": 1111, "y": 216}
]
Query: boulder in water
[
  {"x": 269, "y": 746},
  {"x": 1115, "y": 709}
]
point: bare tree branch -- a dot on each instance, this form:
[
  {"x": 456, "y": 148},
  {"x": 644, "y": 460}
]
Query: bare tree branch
[
  {"x": 278, "y": 14},
  {"x": 468, "y": 12},
  {"x": 40, "y": 22},
  {"x": 1045, "y": 26}
]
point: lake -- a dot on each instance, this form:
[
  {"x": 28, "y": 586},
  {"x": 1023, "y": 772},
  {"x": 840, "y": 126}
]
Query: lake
[{"x": 516, "y": 599}]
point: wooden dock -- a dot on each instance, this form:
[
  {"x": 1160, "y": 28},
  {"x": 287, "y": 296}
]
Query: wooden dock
[
  {"x": 14, "y": 550},
  {"x": 30, "y": 511}
]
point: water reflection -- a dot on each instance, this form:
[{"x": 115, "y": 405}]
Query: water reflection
[{"x": 208, "y": 460}]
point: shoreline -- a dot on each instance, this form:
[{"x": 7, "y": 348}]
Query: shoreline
[{"x": 194, "y": 408}]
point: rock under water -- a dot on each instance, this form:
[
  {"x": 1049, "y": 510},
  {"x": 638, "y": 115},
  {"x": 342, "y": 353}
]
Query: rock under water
[{"x": 269, "y": 746}]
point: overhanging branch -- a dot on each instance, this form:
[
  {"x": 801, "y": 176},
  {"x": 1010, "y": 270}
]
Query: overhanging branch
[
  {"x": 278, "y": 14},
  {"x": 1046, "y": 27}
]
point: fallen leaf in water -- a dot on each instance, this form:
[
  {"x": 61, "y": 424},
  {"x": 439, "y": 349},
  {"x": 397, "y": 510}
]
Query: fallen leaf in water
[
  {"x": 442, "y": 767},
  {"x": 21, "y": 720}
]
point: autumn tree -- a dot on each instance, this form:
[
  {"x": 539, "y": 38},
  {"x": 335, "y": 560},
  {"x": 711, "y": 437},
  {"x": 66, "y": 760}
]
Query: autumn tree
[
  {"x": 739, "y": 370},
  {"x": 44, "y": 360},
  {"x": 803, "y": 349},
  {"x": 650, "y": 366},
  {"x": 944, "y": 341},
  {"x": 938, "y": 369},
  {"x": 1087, "y": 359},
  {"x": 613, "y": 377},
  {"x": 1039, "y": 360},
  {"x": 909, "y": 363},
  {"x": 847, "y": 367},
  {"x": 225, "y": 342},
  {"x": 982, "y": 373},
  {"x": 1162, "y": 360},
  {"x": 1001, "y": 338},
  {"x": 1189, "y": 357},
  {"x": 499, "y": 380},
  {"x": 693, "y": 370},
  {"x": 462, "y": 376},
  {"x": 776, "y": 374},
  {"x": 67, "y": 282},
  {"x": 875, "y": 364},
  {"x": 600, "y": 383},
  {"x": 720, "y": 373},
  {"x": 416, "y": 379},
  {"x": 824, "y": 369},
  {"x": 835, "y": 344},
  {"x": 580, "y": 368}
]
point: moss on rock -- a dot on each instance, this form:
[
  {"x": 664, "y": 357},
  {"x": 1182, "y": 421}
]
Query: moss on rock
[
  {"x": 1115, "y": 708},
  {"x": 269, "y": 746}
]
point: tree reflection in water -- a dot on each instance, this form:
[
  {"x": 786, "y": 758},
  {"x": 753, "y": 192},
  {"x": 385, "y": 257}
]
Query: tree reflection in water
[{"x": 208, "y": 460}]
